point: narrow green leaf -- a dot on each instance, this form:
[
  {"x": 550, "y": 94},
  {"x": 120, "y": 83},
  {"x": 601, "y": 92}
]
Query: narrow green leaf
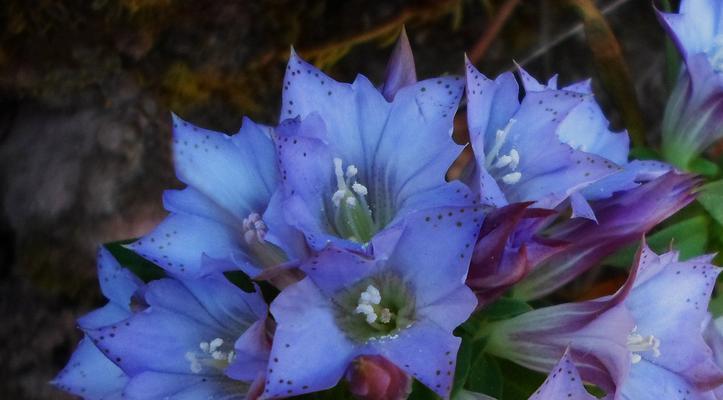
[
  {"x": 703, "y": 166},
  {"x": 689, "y": 236},
  {"x": 710, "y": 197}
]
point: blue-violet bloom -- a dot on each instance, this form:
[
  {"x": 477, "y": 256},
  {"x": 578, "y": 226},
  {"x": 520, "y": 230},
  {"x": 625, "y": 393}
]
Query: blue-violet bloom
[{"x": 401, "y": 305}]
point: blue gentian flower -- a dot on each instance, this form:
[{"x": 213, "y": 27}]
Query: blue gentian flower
[
  {"x": 354, "y": 163},
  {"x": 644, "y": 342},
  {"x": 694, "y": 113},
  {"x": 582, "y": 159},
  {"x": 201, "y": 338},
  {"x": 563, "y": 382},
  {"x": 222, "y": 219},
  {"x": 401, "y": 305},
  {"x": 520, "y": 155},
  {"x": 89, "y": 373}
]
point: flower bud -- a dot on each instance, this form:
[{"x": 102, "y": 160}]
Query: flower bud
[{"x": 374, "y": 377}]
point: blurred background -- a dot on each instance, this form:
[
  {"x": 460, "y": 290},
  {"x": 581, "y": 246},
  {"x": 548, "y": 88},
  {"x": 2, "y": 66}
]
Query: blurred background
[{"x": 87, "y": 87}]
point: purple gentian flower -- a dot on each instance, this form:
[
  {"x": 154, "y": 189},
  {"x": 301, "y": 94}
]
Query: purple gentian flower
[
  {"x": 563, "y": 382},
  {"x": 170, "y": 338},
  {"x": 354, "y": 163},
  {"x": 401, "y": 305},
  {"x": 646, "y": 341},
  {"x": 694, "y": 113},
  {"x": 621, "y": 221},
  {"x": 222, "y": 219}
]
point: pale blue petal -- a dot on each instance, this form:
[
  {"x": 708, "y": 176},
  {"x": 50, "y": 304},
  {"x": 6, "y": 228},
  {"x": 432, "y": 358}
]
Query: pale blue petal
[
  {"x": 433, "y": 365},
  {"x": 90, "y": 375},
  {"x": 309, "y": 352}
]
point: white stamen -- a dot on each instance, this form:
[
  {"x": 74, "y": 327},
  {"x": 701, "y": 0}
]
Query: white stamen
[
  {"x": 211, "y": 355},
  {"x": 195, "y": 364},
  {"x": 515, "y": 159},
  {"x": 351, "y": 201},
  {"x": 215, "y": 344},
  {"x": 512, "y": 178},
  {"x": 339, "y": 172},
  {"x": 359, "y": 189},
  {"x": 638, "y": 343},
  {"x": 386, "y": 316},
  {"x": 370, "y": 296},
  {"x": 351, "y": 171},
  {"x": 500, "y": 138},
  {"x": 503, "y": 161},
  {"x": 368, "y": 312},
  {"x": 337, "y": 197}
]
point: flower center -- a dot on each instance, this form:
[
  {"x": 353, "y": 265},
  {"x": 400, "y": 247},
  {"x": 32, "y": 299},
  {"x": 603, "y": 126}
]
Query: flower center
[
  {"x": 265, "y": 254},
  {"x": 715, "y": 54},
  {"x": 638, "y": 343},
  {"x": 352, "y": 215},
  {"x": 211, "y": 355},
  {"x": 375, "y": 308},
  {"x": 505, "y": 164}
]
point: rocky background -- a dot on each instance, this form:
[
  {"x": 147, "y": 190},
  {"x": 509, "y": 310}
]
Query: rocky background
[{"x": 87, "y": 87}]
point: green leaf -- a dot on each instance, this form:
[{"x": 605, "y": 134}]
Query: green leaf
[
  {"x": 421, "y": 392},
  {"x": 519, "y": 382},
  {"x": 710, "y": 197},
  {"x": 689, "y": 236},
  {"x": 141, "y": 267},
  {"x": 485, "y": 376},
  {"x": 703, "y": 166},
  {"x": 644, "y": 153}
]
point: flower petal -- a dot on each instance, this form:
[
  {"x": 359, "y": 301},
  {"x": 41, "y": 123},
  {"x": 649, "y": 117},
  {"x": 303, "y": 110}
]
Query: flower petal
[
  {"x": 563, "y": 382},
  {"x": 309, "y": 352},
  {"x": 91, "y": 375},
  {"x": 432, "y": 365}
]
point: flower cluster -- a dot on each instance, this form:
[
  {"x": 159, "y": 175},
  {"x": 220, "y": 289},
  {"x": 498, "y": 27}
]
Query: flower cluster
[{"x": 366, "y": 258}]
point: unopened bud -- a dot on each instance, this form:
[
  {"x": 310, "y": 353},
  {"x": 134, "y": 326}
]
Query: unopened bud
[{"x": 376, "y": 378}]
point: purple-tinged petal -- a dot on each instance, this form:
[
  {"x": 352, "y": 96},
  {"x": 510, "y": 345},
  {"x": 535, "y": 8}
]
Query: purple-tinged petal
[
  {"x": 498, "y": 261},
  {"x": 621, "y": 220},
  {"x": 90, "y": 375},
  {"x": 400, "y": 69},
  {"x": 309, "y": 352},
  {"x": 694, "y": 114},
  {"x": 596, "y": 333},
  {"x": 157, "y": 385},
  {"x": 179, "y": 243},
  {"x": 251, "y": 353},
  {"x": 432, "y": 365},
  {"x": 563, "y": 382}
]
